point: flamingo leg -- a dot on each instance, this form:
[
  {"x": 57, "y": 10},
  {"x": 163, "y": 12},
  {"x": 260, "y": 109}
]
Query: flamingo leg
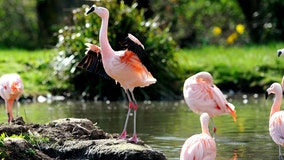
[
  {"x": 18, "y": 106},
  {"x": 214, "y": 128},
  {"x": 135, "y": 106},
  {"x": 9, "y": 109},
  {"x": 280, "y": 154},
  {"x": 124, "y": 133}
]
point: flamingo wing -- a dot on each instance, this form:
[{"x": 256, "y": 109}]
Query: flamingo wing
[
  {"x": 222, "y": 103},
  {"x": 131, "y": 43},
  {"x": 198, "y": 147},
  {"x": 92, "y": 62},
  {"x": 276, "y": 127}
]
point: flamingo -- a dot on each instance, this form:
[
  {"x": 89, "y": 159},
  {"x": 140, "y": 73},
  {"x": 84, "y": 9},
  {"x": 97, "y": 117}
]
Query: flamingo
[
  {"x": 200, "y": 146},
  {"x": 123, "y": 66},
  {"x": 201, "y": 95},
  {"x": 11, "y": 88},
  {"x": 276, "y": 120}
]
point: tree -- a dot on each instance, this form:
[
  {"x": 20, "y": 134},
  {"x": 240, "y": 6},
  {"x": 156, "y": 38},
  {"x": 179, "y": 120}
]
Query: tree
[{"x": 264, "y": 19}]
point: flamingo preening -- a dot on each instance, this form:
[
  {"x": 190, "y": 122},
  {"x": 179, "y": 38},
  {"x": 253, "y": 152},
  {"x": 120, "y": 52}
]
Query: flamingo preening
[
  {"x": 200, "y": 146},
  {"x": 123, "y": 66},
  {"x": 11, "y": 88},
  {"x": 276, "y": 120},
  {"x": 201, "y": 95}
]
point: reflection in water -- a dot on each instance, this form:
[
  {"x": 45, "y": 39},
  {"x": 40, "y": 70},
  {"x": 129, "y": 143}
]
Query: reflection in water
[{"x": 166, "y": 125}]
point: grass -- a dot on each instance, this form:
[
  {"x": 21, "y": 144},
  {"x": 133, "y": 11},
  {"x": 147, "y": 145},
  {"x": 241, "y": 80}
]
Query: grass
[
  {"x": 33, "y": 66},
  {"x": 248, "y": 68}
]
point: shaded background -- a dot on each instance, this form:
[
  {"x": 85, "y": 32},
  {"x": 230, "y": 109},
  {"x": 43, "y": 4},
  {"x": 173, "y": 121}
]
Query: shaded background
[{"x": 162, "y": 26}]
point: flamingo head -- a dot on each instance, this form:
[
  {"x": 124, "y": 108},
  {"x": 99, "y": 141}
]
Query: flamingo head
[
  {"x": 204, "y": 77},
  {"x": 280, "y": 52},
  {"x": 275, "y": 88},
  {"x": 100, "y": 11}
]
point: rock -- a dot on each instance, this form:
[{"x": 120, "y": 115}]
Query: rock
[
  {"x": 113, "y": 149},
  {"x": 19, "y": 148},
  {"x": 72, "y": 138}
]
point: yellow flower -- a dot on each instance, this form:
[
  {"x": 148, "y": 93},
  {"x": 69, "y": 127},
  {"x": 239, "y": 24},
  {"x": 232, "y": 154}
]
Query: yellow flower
[
  {"x": 240, "y": 28},
  {"x": 232, "y": 37},
  {"x": 217, "y": 31}
]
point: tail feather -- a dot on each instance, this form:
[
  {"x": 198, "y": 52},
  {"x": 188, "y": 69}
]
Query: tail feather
[
  {"x": 231, "y": 108},
  {"x": 17, "y": 87}
]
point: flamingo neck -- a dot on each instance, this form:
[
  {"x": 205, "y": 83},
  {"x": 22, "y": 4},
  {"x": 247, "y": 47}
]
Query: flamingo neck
[
  {"x": 276, "y": 104},
  {"x": 104, "y": 43},
  {"x": 204, "y": 127}
]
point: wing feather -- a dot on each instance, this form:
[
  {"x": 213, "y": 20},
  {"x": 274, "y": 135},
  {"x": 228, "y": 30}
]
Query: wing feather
[{"x": 92, "y": 62}]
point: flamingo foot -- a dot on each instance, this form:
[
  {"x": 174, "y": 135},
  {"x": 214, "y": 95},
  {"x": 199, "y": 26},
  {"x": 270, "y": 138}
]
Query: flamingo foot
[
  {"x": 133, "y": 138},
  {"x": 123, "y": 135},
  {"x": 280, "y": 157}
]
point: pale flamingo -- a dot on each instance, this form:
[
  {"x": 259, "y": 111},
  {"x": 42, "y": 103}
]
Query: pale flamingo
[
  {"x": 123, "y": 66},
  {"x": 200, "y": 146},
  {"x": 11, "y": 88},
  {"x": 201, "y": 95},
  {"x": 276, "y": 120}
]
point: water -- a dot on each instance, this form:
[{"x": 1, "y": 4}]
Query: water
[{"x": 166, "y": 125}]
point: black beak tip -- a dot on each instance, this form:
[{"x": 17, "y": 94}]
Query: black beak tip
[
  {"x": 279, "y": 53},
  {"x": 90, "y": 10},
  {"x": 266, "y": 95}
]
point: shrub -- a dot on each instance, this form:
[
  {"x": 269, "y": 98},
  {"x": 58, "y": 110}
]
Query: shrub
[{"x": 123, "y": 20}]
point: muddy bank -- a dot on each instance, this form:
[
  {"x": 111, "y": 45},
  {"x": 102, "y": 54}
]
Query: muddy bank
[{"x": 69, "y": 138}]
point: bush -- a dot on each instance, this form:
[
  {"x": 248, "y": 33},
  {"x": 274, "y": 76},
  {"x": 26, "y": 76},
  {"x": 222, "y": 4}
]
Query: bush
[
  {"x": 123, "y": 20},
  {"x": 193, "y": 22},
  {"x": 18, "y": 24}
]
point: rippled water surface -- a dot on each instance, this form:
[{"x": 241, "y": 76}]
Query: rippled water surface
[{"x": 166, "y": 125}]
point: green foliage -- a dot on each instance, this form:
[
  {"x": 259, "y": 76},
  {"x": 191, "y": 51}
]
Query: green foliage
[
  {"x": 123, "y": 20},
  {"x": 243, "y": 69},
  {"x": 31, "y": 138},
  {"x": 36, "y": 139},
  {"x": 34, "y": 68},
  {"x": 30, "y": 152},
  {"x": 18, "y": 24},
  {"x": 192, "y": 22}
]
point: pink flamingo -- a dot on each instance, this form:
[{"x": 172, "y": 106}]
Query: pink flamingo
[
  {"x": 276, "y": 120},
  {"x": 201, "y": 95},
  {"x": 11, "y": 88},
  {"x": 123, "y": 66},
  {"x": 200, "y": 146}
]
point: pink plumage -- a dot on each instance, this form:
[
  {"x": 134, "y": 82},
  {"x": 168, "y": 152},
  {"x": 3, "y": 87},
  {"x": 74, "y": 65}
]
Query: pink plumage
[
  {"x": 123, "y": 66},
  {"x": 276, "y": 120},
  {"x": 11, "y": 88},
  {"x": 200, "y": 146},
  {"x": 201, "y": 95}
]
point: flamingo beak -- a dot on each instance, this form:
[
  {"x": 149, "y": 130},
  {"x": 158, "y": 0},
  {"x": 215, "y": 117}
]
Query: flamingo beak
[
  {"x": 279, "y": 53},
  {"x": 92, "y": 9},
  {"x": 266, "y": 95}
]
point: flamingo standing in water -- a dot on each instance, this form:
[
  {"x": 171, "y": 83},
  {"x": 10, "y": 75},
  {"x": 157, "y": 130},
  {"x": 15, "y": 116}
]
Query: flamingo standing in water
[
  {"x": 11, "y": 88},
  {"x": 123, "y": 66},
  {"x": 276, "y": 120},
  {"x": 200, "y": 146},
  {"x": 201, "y": 95}
]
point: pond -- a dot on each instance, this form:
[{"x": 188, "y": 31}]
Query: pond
[{"x": 166, "y": 125}]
